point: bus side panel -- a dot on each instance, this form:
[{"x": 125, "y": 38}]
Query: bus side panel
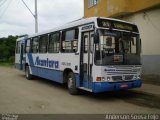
[
  {"x": 18, "y": 66},
  {"x": 30, "y": 62},
  {"x": 47, "y": 73},
  {"x": 77, "y": 76},
  {"x": 17, "y": 62}
]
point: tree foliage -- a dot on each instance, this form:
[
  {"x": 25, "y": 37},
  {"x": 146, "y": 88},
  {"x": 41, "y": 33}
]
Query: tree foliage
[{"x": 7, "y": 48}]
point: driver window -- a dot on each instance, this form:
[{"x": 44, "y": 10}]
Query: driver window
[
  {"x": 133, "y": 44},
  {"x": 127, "y": 46},
  {"x": 130, "y": 45},
  {"x": 107, "y": 42}
]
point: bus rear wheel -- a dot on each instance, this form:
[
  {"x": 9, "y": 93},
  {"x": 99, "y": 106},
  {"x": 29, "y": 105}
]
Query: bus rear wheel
[
  {"x": 28, "y": 74},
  {"x": 71, "y": 84}
]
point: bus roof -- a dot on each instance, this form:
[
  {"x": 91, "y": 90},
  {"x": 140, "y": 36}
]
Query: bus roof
[
  {"x": 76, "y": 23},
  {"x": 22, "y": 38}
]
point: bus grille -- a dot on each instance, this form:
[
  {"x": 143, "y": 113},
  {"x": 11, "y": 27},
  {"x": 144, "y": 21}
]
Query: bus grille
[
  {"x": 116, "y": 78},
  {"x": 120, "y": 78},
  {"x": 128, "y": 77}
]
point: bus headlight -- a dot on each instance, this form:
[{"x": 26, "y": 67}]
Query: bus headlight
[
  {"x": 139, "y": 77},
  {"x": 136, "y": 77},
  {"x": 99, "y": 79},
  {"x": 103, "y": 78},
  {"x": 108, "y": 78}
]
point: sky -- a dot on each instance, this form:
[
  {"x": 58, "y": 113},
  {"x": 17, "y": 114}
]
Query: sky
[{"x": 15, "y": 18}]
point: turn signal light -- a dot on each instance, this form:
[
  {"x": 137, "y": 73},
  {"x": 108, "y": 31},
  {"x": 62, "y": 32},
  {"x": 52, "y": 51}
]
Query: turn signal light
[{"x": 98, "y": 79}]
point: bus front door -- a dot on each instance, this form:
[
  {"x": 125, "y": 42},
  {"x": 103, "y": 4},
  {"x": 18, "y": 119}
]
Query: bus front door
[{"x": 86, "y": 59}]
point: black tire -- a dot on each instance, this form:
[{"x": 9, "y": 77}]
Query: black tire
[
  {"x": 71, "y": 84},
  {"x": 28, "y": 74}
]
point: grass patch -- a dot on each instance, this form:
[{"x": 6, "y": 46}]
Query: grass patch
[{"x": 6, "y": 64}]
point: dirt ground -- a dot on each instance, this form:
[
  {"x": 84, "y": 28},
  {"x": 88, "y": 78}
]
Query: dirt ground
[
  {"x": 18, "y": 95},
  {"x": 151, "y": 79}
]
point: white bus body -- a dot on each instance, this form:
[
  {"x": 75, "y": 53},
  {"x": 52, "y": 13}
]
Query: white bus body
[{"x": 93, "y": 54}]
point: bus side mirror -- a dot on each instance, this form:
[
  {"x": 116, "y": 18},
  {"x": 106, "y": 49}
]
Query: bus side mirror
[{"x": 96, "y": 37}]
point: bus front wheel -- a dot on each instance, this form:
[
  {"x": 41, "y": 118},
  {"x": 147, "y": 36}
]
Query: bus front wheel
[
  {"x": 71, "y": 84},
  {"x": 28, "y": 74}
]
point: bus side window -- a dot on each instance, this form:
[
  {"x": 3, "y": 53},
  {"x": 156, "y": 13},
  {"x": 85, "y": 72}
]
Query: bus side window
[
  {"x": 43, "y": 41},
  {"x": 54, "y": 43},
  {"x": 133, "y": 45},
  {"x": 70, "y": 40},
  {"x": 18, "y": 47},
  {"x": 28, "y": 46},
  {"x": 34, "y": 45}
]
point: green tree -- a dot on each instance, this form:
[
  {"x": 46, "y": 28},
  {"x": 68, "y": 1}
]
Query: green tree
[{"x": 7, "y": 48}]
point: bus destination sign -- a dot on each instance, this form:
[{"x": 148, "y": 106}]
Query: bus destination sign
[
  {"x": 123, "y": 26},
  {"x": 116, "y": 25}
]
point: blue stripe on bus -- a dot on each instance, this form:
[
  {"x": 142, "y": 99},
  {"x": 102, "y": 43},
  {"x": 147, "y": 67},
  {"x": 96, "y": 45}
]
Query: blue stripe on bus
[
  {"x": 52, "y": 74},
  {"x": 105, "y": 86},
  {"x": 77, "y": 76},
  {"x": 30, "y": 58},
  {"x": 18, "y": 66},
  {"x": 49, "y": 74}
]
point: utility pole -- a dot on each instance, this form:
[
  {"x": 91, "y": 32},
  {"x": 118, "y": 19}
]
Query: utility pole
[{"x": 35, "y": 15}]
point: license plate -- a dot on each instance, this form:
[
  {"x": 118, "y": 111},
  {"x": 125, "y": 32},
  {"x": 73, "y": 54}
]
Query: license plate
[{"x": 124, "y": 86}]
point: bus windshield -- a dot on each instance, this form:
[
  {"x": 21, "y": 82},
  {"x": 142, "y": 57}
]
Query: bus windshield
[{"x": 116, "y": 48}]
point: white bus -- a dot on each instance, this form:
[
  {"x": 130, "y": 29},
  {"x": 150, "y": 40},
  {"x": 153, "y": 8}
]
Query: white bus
[{"x": 93, "y": 54}]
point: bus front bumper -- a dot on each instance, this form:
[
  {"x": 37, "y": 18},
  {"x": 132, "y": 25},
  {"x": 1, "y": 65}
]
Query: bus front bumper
[{"x": 106, "y": 86}]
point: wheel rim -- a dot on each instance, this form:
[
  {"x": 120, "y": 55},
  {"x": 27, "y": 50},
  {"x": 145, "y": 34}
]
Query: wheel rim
[{"x": 70, "y": 82}]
